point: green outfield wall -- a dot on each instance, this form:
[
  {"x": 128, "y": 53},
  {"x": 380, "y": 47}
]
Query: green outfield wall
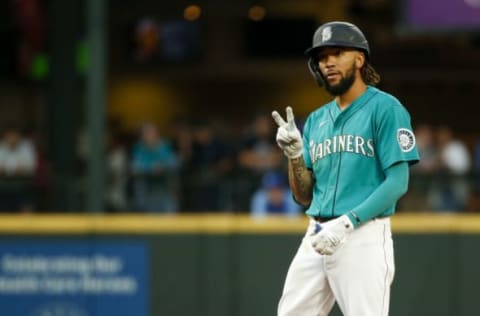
[{"x": 227, "y": 265}]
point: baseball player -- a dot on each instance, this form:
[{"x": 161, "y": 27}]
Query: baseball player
[{"x": 348, "y": 169}]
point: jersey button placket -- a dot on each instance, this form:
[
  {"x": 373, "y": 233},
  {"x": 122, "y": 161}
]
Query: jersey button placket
[
  {"x": 335, "y": 162},
  {"x": 335, "y": 165},
  {"x": 331, "y": 187}
]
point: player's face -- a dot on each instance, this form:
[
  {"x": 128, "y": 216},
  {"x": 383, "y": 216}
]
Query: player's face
[{"x": 339, "y": 68}]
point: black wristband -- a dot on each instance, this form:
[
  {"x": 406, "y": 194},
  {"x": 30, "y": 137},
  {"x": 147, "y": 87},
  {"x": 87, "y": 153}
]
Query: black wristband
[{"x": 357, "y": 219}]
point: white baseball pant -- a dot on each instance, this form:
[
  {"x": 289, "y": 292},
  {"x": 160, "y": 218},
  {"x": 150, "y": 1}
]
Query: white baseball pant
[{"x": 357, "y": 276}]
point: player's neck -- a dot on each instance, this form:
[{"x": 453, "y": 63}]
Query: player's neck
[{"x": 357, "y": 89}]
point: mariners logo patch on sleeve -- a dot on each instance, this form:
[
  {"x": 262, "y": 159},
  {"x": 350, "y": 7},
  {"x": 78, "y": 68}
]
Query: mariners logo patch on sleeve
[{"x": 406, "y": 139}]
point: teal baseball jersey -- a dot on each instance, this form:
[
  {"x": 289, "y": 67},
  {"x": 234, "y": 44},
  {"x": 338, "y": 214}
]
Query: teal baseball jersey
[{"x": 348, "y": 151}]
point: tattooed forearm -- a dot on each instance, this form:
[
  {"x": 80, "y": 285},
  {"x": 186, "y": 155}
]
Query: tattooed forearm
[{"x": 301, "y": 180}]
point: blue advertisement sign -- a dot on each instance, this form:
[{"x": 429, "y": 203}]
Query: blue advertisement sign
[{"x": 73, "y": 278}]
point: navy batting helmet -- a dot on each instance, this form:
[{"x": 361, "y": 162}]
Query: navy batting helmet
[{"x": 337, "y": 34}]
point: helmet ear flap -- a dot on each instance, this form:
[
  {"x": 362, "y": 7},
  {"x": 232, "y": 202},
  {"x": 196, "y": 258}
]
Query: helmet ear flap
[{"x": 315, "y": 71}]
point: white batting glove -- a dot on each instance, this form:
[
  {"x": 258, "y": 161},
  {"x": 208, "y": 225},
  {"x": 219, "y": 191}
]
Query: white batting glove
[
  {"x": 328, "y": 237},
  {"x": 289, "y": 138}
]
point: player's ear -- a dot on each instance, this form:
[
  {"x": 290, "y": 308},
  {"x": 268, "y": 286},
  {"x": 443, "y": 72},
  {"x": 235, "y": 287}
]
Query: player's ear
[{"x": 359, "y": 59}]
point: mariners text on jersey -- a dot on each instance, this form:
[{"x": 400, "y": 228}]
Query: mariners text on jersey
[{"x": 341, "y": 143}]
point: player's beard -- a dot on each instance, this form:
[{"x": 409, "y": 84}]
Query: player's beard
[{"x": 344, "y": 84}]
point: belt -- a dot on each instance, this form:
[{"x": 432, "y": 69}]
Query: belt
[{"x": 324, "y": 219}]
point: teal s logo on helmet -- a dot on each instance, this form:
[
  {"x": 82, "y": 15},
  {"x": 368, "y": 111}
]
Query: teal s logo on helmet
[{"x": 326, "y": 34}]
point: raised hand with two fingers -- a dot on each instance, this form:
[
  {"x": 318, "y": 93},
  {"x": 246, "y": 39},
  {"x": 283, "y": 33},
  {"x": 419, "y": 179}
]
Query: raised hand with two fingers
[{"x": 288, "y": 136}]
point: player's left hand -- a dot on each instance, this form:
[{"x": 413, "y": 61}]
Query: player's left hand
[{"x": 331, "y": 235}]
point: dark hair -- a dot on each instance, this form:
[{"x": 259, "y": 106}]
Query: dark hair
[{"x": 369, "y": 74}]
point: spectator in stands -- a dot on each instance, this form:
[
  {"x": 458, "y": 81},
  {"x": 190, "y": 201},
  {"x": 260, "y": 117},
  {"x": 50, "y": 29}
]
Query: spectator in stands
[
  {"x": 423, "y": 173},
  {"x": 453, "y": 188},
  {"x": 117, "y": 172},
  {"x": 17, "y": 154},
  {"x": 17, "y": 167},
  {"x": 154, "y": 166},
  {"x": 428, "y": 150},
  {"x": 258, "y": 154},
  {"x": 207, "y": 170},
  {"x": 274, "y": 197},
  {"x": 182, "y": 138}
]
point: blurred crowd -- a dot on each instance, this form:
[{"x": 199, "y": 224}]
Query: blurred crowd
[
  {"x": 447, "y": 177},
  {"x": 203, "y": 166},
  {"x": 199, "y": 166}
]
